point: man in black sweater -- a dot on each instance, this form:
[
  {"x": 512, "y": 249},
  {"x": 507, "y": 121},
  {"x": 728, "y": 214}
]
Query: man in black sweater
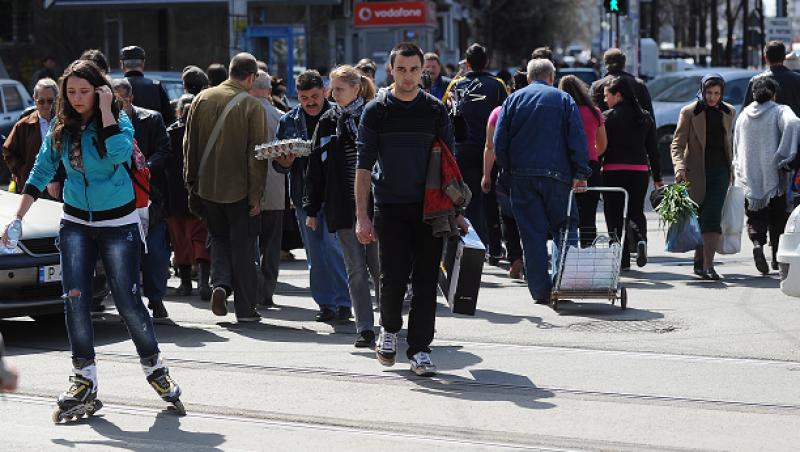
[
  {"x": 615, "y": 60},
  {"x": 394, "y": 144},
  {"x": 788, "y": 80}
]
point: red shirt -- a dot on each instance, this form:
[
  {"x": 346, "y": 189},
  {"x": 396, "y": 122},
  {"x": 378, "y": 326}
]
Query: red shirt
[{"x": 591, "y": 122}]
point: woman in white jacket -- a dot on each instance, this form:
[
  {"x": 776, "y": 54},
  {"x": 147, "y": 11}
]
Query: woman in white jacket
[{"x": 765, "y": 142}]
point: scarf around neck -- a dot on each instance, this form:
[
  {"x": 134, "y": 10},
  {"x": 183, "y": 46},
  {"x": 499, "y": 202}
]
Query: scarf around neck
[{"x": 351, "y": 113}]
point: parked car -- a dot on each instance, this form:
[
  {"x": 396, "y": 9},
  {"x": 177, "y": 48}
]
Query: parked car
[
  {"x": 587, "y": 75},
  {"x": 678, "y": 90},
  {"x": 30, "y": 278},
  {"x": 172, "y": 82},
  {"x": 789, "y": 255},
  {"x": 14, "y": 99}
]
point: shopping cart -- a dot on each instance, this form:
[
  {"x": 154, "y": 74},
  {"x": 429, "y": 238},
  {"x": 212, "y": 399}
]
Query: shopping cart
[{"x": 589, "y": 270}]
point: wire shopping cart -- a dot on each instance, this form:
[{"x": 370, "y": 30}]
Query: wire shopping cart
[{"x": 589, "y": 270}]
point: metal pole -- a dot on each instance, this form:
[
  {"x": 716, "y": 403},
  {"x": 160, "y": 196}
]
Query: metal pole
[{"x": 616, "y": 18}]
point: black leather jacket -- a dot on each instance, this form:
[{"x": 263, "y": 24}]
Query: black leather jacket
[
  {"x": 152, "y": 138},
  {"x": 639, "y": 88},
  {"x": 150, "y": 94},
  {"x": 789, "y": 87}
]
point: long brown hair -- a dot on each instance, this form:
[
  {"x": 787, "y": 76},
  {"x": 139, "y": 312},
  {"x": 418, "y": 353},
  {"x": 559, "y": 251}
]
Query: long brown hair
[
  {"x": 573, "y": 86},
  {"x": 353, "y": 77},
  {"x": 68, "y": 120}
]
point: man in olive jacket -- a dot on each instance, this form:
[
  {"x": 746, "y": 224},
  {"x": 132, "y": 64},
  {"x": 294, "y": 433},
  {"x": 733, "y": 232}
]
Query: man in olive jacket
[{"x": 230, "y": 183}]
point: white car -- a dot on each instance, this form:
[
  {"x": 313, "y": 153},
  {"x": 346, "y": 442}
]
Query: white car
[
  {"x": 789, "y": 255},
  {"x": 14, "y": 99},
  {"x": 30, "y": 278}
]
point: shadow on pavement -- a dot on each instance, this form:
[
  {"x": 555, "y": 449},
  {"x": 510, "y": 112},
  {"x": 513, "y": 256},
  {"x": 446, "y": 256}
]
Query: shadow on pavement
[
  {"x": 286, "y": 289},
  {"x": 487, "y": 386},
  {"x": 25, "y": 337},
  {"x": 341, "y": 334},
  {"x": 446, "y": 357},
  {"x": 602, "y": 309},
  {"x": 165, "y": 432},
  {"x": 493, "y": 317},
  {"x": 738, "y": 280}
]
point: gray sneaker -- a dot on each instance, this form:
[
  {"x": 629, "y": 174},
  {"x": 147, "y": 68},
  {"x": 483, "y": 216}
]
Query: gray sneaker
[
  {"x": 386, "y": 349},
  {"x": 421, "y": 365}
]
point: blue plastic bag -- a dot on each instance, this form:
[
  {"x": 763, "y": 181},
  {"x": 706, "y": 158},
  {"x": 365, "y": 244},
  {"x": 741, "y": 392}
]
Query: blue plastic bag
[{"x": 684, "y": 236}]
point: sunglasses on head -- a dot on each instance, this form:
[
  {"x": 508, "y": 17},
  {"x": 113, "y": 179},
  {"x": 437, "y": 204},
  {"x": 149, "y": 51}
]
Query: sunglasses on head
[{"x": 45, "y": 101}]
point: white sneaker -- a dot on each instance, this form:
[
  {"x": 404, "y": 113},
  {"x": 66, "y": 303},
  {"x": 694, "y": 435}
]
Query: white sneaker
[
  {"x": 386, "y": 348},
  {"x": 421, "y": 365}
]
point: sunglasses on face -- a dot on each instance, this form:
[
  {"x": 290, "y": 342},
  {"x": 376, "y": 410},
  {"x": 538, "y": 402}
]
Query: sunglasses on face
[{"x": 45, "y": 101}]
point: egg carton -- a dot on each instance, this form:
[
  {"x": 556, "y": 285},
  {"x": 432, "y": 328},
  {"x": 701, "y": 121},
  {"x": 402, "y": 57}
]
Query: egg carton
[{"x": 295, "y": 146}]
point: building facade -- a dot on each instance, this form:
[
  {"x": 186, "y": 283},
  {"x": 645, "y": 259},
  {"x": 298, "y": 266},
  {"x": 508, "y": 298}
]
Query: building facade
[{"x": 290, "y": 35}]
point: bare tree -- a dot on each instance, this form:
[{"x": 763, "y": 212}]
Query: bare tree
[{"x": 731, "y": 15}]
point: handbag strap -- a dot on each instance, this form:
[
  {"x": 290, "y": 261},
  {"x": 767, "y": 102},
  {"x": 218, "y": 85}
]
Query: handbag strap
[{"x": 212, "y": 139}]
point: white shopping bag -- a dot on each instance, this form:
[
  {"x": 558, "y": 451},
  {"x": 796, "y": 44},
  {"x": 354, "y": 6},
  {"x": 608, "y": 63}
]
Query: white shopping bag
[{"x": 732, "y": 221}]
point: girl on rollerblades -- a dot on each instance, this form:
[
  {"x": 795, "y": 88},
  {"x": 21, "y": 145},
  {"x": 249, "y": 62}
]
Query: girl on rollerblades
[{"x": 93, "y": 140}]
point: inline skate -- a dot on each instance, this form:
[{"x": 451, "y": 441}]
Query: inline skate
[
  {"x": 81, "y": 397},
  {"x": 166, "y": 388}
]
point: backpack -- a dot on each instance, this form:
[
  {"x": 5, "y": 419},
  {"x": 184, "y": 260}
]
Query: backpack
[{"x": 140, "y": 176}]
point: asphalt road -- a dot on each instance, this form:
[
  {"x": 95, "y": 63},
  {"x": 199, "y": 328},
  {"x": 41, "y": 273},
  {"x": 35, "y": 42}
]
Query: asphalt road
[{"x": 690, "y": 365}]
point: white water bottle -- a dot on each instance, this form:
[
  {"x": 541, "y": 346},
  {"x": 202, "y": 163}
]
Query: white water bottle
[{"x": 14, "y": 233}]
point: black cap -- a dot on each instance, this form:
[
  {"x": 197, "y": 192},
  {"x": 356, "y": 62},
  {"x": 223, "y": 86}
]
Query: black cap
[{"x": 131, "y": 53}]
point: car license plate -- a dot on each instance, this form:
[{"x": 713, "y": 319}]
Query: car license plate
[{"x": 49, "y": 274}]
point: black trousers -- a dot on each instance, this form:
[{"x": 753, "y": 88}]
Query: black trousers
[
  {"x": 636, "y": 184},
  {"x": 587, "y": 206},
  {"x": 233, "y": 252},
  {"x": 491, "y": 215},
  {"x": 771, "y": 219},
  {"x": 407, "y": 248},
  {"x": 513, "y": 241}
]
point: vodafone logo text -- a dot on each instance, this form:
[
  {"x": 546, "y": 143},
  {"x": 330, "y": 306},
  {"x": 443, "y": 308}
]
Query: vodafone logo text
[{"x": 390, "y": 13}]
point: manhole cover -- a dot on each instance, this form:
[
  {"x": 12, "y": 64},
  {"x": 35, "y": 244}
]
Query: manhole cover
[{"x": 621, "y": 326}]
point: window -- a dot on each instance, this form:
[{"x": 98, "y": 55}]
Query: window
[
  {"x": 683, "y": 91},
  {"x": 13, "y": 99},
  {"x": 734, "y": 91},
  {"x": 15, "y": 21}
]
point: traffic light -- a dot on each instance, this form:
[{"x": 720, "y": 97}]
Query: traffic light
[{"x": 619, "y": 7}]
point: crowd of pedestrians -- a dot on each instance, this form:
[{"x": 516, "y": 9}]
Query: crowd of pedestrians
[{"x": 515, "y": 150}]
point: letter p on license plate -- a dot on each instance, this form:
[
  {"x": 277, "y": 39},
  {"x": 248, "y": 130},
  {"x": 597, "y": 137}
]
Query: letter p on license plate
[{"x": 49, "y": 274}]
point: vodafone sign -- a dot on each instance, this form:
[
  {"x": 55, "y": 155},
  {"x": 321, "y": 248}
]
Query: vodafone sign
[{"x": 392, "y": 13}]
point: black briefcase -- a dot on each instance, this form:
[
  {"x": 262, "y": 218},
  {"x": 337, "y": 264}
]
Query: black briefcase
[{"x": 460, "y": 272}]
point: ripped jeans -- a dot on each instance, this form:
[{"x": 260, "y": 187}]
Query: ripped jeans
[{"x": 119, "y": 247}]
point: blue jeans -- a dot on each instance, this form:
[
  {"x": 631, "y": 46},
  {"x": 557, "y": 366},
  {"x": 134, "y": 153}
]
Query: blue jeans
[
  {"x": 119, "y": 248},
  {"x": 327, "y": 274},
  {"x": 539, "y": 205},
  {"x": 155, "y": 264}
]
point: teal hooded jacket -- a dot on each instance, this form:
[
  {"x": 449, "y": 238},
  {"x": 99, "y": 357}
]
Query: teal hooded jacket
[{"x": 103, "y": 189}]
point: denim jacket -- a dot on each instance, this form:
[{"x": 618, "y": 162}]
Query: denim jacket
[
  {"x": 293, "y": 125},
  {"x": 540, "y": 134}
]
